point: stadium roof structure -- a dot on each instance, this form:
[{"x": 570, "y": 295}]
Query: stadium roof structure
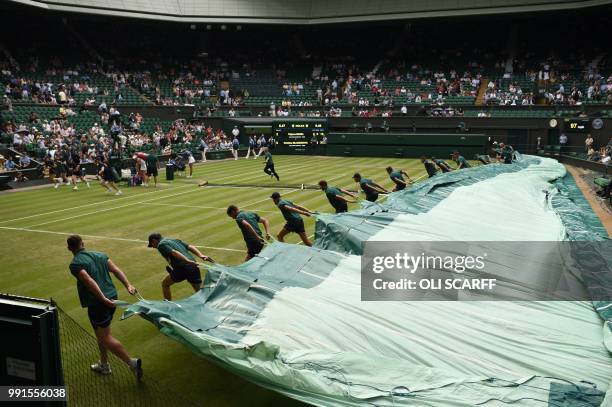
[{"x": 302, "y": 11}]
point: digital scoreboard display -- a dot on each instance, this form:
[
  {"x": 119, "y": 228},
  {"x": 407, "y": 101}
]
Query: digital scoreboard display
[
  {"x": 578, "y": 125},
  {"x": 297, "y": 135}
]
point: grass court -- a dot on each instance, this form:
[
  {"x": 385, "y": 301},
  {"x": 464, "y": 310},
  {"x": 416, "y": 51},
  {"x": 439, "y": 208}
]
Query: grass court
[{"x": 34, "y": 225}]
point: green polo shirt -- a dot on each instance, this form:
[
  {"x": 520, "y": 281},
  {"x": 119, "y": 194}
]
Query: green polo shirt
[
  {"x": 96, "y": 265},
  {"x": 152, "y": 160},
  {"x": 462, "y": 162},
  {"x": 368, "y": 192},
  {"x": 396, "y": 174},
  {"x": 268, "y": 157},
  {"x": 332, "y": 193},
  {"x": 289, "y": 216},
  {"x": 252, "y": 219},
  {"x": 166, "y": 246}
]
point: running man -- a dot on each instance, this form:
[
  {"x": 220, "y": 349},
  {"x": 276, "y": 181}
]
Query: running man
[
  {"x": 442, "y": 165},
  {"x": 460, "y": 160},
  {"x": 56, "y": 170},
  {"x": 96, "y": 293},
  {"x": 235, "y": 146},
  {"x": 248, "y": 224},
  {"x": 76, "y": 170},
  {"x": 182, "y": 264},
  {"x": 430, "y": 166},
  {"x": 371, "y": 188},
  {"x": 397, "y": 177},
  {"x": 291, "y": 212},
  {"x": 108, "y": 178},
  {"x": 335, "y": 198},
  {"x": 152, "y": 164},
  {"x": 269, "y": 168}
]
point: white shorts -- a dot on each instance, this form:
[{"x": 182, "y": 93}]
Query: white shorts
[{"x": 191, "y": 160}]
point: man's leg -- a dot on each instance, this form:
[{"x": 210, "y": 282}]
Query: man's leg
[
  {"x": 248, "y": 153},
  {"x": 106, "y": 340},
  {"x": 305, "y": 239},
  {"x": 103, "y": 353},
  {"x": 196, "y": 286},
  {"x": 282, "y": 234},
  {"x": 274, "y": 173},
  {"x": 166, "y": 283},
  {"x": 267, "y": 170}
]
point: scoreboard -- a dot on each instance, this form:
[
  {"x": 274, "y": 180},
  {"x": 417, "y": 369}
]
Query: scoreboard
[
  {"x": 296, "y": 135},
  {"x": 578, "y": 125}
]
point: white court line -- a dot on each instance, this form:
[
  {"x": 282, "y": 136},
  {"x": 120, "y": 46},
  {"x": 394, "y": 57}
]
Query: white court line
[
  {"x": 118, "y": 199},
  {"x": 91, "y": 204},
  {"x": 112, "y": 209},
  {"x": 121, "y": 239},
  {"x": 196, "y": 206}
]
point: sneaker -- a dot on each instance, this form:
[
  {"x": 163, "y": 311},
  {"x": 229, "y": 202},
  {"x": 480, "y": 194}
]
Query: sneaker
[
  {"x": 88, "y": 186},
  {"x": 136, "y": 368},
  {"x": 108, "y": 191},
  {"x": 101, "y": 368},
  {"x": 189, "y": 176},
  {"x": 75, "y": 188},
  {"x": 119, "y": 193},
  {"x": 56, "y": 186}
]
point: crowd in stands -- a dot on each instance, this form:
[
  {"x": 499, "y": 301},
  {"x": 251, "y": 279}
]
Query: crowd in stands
[
  {"x": 600, "y": 154},
  {"x": 111, "y": 134}
]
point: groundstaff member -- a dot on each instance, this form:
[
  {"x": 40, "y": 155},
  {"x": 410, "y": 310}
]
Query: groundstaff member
[
  {"x": 397, "y": 177},
  {"x": 182, "y": 264},
  {"x": 291, "y": 212},
  {"x": 460, "y": 160},
  {"x": 369, "y": 187},
  {"x": 430, "y": 166},
  {"x": 96, "y": 293},
  {"x": 248, "y": 224},
  {"x": 108, "y": 178},
  {"x": 152, "y": 164},
  {"x": 269, "y": 168},
  {"x": 442, "y": 165},
  {"x": 335, "y": 196}
]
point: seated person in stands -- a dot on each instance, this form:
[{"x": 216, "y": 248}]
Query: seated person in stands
[
  {"x": 20, "y": 177},
  {"x": 604, "y": 193},
  {"x": 24, "y": 161},
  {"x": 9, "y": 165}
]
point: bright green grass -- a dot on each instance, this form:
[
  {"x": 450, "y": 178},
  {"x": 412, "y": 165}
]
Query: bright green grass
[{"x": 35, "y": 262}]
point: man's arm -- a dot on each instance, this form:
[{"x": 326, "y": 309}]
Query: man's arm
[
  {"x": 398, "y": 181},
  {"x": 341, "y": 198},
  {"x": 266, "y": 225},
  {"x": 121, "y": 277},
  {"x": 406, "y": 174},
  {"x": 251, "y": 229},
  {"x": 198, "y": 253},
  {"x": 94, "y": 288},
  {"x": 344, "y": 191},
  {"x": 298, "y": 209},
  {"x": 177, "y": 255},
  {"x": 378, "y": 188}
]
